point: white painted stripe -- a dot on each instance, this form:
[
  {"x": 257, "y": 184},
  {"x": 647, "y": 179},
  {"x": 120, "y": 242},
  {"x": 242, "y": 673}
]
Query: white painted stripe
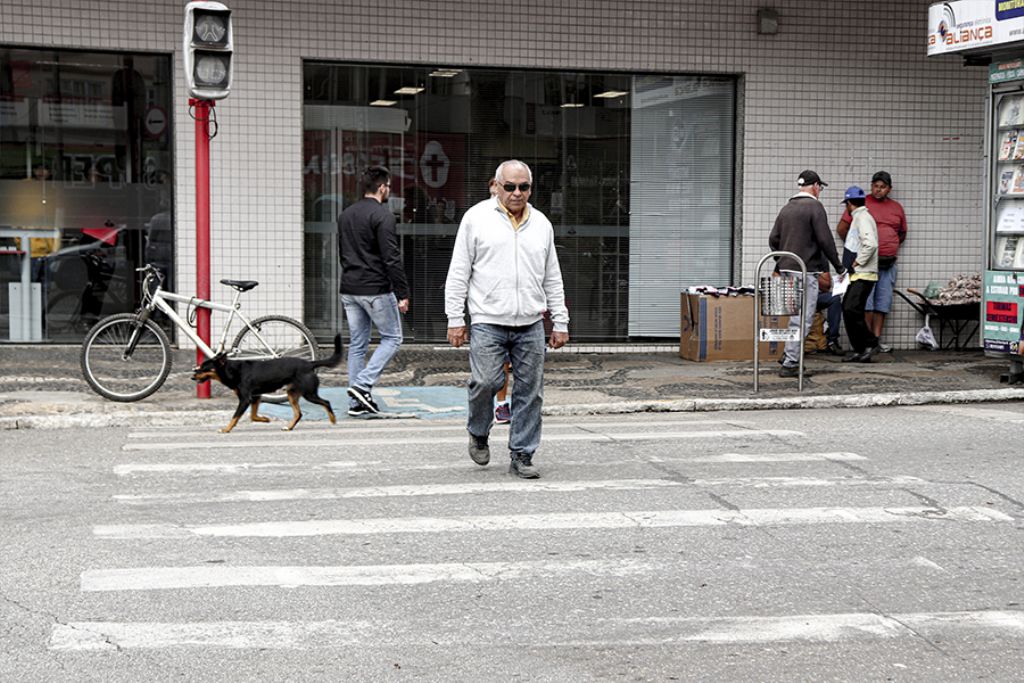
[
  {"x": 925, "y": 562},
  {"x": 341, "y": 442},
  {"x": 773, "y": 457},
  {"x": 230, "y": 467},
  {"x": 110, "y": 636},
  {"x": 824, "y": 482},
  {"x": 130, "y": 469},
  {"x": 972, "y": 412},
  {"x": 396, "y": 491},
  {"x": 207, "y": 576},
  {"x": 816, "y": 628},
  {"x": 319, "y": 429},
  {"x": 566, "y": 520},
  {"x": 274, "y": 495}
]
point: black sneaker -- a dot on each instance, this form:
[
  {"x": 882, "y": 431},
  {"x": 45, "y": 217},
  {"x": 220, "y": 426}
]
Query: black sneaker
[
  {"x": 364, "y": 398},
  {"x": 479, "y": 451},
  {"x": 868, "y": 354},
  {"x": 522, "y": 466},
  {"x": 359, "y": 411},
  {"x": 835, "y": 348}
]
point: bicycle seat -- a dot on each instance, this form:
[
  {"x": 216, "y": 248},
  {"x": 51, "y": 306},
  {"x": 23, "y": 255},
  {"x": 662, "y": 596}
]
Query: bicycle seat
[{"x": 240, "y": 285}]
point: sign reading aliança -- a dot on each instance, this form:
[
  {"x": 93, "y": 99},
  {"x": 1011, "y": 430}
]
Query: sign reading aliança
[{"x": 974, "y": 24}]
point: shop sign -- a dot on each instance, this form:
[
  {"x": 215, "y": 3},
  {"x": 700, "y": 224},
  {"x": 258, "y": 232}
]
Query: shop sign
[
  {"x": 82, "y": 115},
  {"x": 1002, "y": 72},
  {"x": 1003, "y": 324},
  {"x": 974, "y": 24},
  {"x": 14, "y": 114}
]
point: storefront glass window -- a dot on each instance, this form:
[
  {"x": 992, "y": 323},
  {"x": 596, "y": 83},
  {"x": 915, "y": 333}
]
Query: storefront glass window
[
  {"x": 85, "y": 186},
  {"x": 597, "y": 143}
]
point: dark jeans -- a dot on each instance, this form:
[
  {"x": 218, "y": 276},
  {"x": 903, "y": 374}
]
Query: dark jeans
[
  {"x": 488, "y": 346},
  {"x": 833, "y": 307},
  {"x": 857, "y": 330}
]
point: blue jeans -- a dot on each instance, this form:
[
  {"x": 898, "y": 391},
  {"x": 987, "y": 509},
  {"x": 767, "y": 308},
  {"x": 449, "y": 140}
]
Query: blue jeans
[
  {"x": 791, "y": 354},
  {"x": 488, "y": 345},
  {"x": 361, "y": 311},
  {"x": 880, "y": 299},
  {"x": 833, "y": 307}
]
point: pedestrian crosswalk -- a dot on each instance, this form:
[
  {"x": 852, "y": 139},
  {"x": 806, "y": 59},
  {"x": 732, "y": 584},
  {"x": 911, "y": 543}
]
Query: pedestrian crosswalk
[
  {"x": 618, "y": 633},
  {"x": 663, "y": 532}
]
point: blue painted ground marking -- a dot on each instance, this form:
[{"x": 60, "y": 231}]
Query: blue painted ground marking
[{"x": 428, "y": 403}]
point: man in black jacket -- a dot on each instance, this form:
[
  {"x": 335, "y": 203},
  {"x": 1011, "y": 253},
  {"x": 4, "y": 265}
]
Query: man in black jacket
[
  {"x": 802, "y": 228},
  {"x": 373, "y": 286}
]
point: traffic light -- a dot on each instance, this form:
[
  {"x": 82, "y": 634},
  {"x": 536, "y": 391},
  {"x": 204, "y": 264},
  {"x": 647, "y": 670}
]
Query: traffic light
[{"x": 208, "y": 49}]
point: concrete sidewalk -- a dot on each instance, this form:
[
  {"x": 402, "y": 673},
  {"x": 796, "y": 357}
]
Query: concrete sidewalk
[{"x": 42, "y": 386}]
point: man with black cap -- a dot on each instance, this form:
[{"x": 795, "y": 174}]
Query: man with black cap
[
  {"x": 802, "y": 228},
  {"x": 892, "y": 231}
]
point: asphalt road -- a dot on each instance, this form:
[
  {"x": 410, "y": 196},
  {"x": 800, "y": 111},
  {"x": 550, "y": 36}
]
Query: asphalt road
[{"x": 863, "y": 544}]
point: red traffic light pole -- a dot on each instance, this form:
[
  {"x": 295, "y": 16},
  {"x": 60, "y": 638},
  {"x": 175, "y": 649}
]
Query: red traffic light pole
[{"x": 202, "y": 119}]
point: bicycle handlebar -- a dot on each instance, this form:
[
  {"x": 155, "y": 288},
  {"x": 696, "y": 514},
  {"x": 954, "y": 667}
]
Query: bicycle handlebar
[{"x": 151, "y": 271}]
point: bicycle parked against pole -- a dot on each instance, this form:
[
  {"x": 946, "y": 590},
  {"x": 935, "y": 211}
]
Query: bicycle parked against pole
[{"x": 127, "y": 356}]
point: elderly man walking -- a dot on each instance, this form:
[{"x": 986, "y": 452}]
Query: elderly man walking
[{"x": 505, "y": 270}]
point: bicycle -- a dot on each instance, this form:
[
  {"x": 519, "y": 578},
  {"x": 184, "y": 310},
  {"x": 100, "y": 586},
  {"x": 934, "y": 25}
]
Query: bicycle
[{"x": 127, "y": 356}]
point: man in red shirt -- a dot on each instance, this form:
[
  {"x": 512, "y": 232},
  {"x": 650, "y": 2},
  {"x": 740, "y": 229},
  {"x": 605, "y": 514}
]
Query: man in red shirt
[{"x": 892, "y": 231}]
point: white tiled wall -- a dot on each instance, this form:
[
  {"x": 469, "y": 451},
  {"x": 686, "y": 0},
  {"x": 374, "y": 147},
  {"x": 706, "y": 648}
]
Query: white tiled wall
[{"x": 844, "y": 88}]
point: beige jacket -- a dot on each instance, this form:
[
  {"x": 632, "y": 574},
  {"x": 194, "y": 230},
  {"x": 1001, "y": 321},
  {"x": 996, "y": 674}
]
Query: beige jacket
[{"x": 866, "y": 264}]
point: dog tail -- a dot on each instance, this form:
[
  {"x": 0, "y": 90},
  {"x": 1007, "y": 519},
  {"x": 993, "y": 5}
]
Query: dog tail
[{"x": 333, "y": 360}]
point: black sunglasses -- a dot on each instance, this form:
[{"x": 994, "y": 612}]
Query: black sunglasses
[{"x": 511, "y": 187}]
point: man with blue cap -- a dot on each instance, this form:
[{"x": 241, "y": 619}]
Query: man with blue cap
[{"x": 863, "y": 276}]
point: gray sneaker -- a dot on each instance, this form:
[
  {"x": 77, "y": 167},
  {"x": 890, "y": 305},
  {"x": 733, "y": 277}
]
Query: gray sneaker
[
  {"x": 479, "y": 451},
  {"x": 522, "y": 466},
  {"x": 884, "y": 348}
]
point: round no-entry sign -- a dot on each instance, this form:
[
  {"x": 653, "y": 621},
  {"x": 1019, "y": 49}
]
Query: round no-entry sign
[{"x": 156, "y": 121}]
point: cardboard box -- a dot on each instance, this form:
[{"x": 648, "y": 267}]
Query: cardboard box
[{"x": 722, "y": 328}]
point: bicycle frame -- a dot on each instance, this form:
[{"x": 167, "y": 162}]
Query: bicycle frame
[{"x": 159, "y": 298}]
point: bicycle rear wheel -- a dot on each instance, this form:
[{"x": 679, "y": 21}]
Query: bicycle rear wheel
[
  {"x": 115, "y": 374},
  {"x": 278, "y": 336}
]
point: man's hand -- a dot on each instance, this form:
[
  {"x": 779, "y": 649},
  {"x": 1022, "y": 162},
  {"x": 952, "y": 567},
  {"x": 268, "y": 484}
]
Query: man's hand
[
  {"x": 558, "y": 339},
  {"x": 457, "y": 336},
  {"x": 403, "y": 306}
]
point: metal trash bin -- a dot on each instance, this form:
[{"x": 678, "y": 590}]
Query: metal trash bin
[{"x": 780, "y": 294}]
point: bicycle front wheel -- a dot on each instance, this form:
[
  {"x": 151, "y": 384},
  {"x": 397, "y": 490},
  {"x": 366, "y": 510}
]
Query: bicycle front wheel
[{"x": 121, "y": 374}]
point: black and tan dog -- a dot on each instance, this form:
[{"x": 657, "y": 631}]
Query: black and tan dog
[{"x": 250, "y": 379}]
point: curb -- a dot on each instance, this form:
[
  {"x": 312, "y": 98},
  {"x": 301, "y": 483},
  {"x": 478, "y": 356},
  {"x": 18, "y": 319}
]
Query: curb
[{"x": 207, "y": 417}]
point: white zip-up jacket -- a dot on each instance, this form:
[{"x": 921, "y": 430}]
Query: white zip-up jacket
[{"x": 506, "y": 276}]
